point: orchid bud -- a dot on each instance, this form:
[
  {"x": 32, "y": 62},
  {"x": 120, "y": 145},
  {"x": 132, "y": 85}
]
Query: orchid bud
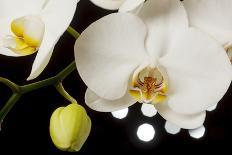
[{"x": 69, "y": 127}]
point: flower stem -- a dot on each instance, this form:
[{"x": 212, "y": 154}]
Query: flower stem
[
  {"x": 14, "y": 87},
  {"x": 59, "y": 87},
  {"x": 64, "y": 73},
  {"x": 40, "y": 84},
  {"x": 9, "y": 105},
  {"x": 50, "y": 81},
  {"x": 73, "y": 32}
]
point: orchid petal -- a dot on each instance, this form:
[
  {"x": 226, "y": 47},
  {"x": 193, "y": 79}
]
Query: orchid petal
[
  {"x": 99, "y": 104},
  {"x": 6, "y": 51},
  {"x": 34, "y": 31},
  {"x": 212, "y": 108},
  {"x": 14, "y": 8},
  {"x": 43, "y": 56},
  {"x": 56, "y": 15},
  {"x": 162, "y": 17},
  {"x": 108, "y": 4},
  {"x": 199, "y": 72},
  {"x": 211, "y": 16},
  {"x": 183, "y": 121},
  {"x": 5, "y": 30},
  {"x": 108, "y": 52},
  {"x": 131, "y": 5}
]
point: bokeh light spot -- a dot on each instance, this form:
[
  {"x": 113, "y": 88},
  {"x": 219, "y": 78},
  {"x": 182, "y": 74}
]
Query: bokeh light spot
[
  {"x": 146, "y": 132},
  {"x": 197, "y": 133},
  {"x": 172, "y": 128},
  {"x": 148, "y": 110},
  {"x": 120, "y": 114}
]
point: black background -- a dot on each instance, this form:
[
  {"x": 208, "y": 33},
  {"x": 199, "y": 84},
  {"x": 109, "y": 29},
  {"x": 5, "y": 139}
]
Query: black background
[{"x": 25, "y": 130}]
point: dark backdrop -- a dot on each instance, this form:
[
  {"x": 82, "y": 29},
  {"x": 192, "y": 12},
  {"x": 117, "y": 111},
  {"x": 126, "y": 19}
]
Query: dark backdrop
[{"x": 25, "y": 130}]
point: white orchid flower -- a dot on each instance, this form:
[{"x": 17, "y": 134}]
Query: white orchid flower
[
  {"x": 121, "y": 5},
  {"x": 152, "y": 58},
  {"x": 28, "y": 26},
  {"x": 213, "y": 17}
]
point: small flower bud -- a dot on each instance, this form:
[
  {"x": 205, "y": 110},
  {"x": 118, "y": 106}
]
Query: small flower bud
[{"x": 69, "y": 127}]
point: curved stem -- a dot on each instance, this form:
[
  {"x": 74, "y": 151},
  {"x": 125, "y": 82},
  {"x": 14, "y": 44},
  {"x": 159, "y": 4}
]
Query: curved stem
[
  {"x": 8, "y": 106},
  {"x": 59, "y": 87},
  {"x": 50, "y": 81},
  {"x": 64, "y": 73},
  {"x": 40, "y": 84},
  {"x": 14, "y": 87}
]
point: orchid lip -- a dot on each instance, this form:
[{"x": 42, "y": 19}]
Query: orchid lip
[{"x": 149, "y": 85}]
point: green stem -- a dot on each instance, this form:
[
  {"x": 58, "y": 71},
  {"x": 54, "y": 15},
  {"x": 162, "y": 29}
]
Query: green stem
[
  {"x": 73, "y": 32},
  {"x": 59, "y": 87},
  {"x": 14, "y": 87},
  {"x": 33, "y": 86},
  {"x": 50, "y": 81},
  {"x": 8, "y": 106},
  {"x": 68, "y": 70}
]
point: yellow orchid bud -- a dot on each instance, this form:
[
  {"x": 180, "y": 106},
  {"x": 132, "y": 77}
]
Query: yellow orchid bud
[{"x": 69, "y": 127}]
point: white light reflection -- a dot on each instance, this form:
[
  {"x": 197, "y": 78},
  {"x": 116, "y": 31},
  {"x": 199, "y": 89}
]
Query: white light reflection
[
  {"x": 197, "y": 133},
  {"x": 171, "y": 128},
  {"x": 120, "y": 114},
  {"x": 146, "y": 132},
  {"x": 148, "y": 110}
]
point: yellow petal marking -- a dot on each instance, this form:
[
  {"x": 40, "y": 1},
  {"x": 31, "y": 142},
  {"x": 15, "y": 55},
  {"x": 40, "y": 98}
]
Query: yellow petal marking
[
  {"x": 136, "y": 95},
  {"x": 32, "y": 41},
  {"x": 17, "y": 27},
  {"x": 33, "y": 31},
  {"x": 21, "y": 47},
  {"x": 159, "y": 98}
]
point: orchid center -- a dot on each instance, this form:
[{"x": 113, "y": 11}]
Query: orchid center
[
  {"x": 149, "y": 85},
  {"x": 28, "y": 32}
]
